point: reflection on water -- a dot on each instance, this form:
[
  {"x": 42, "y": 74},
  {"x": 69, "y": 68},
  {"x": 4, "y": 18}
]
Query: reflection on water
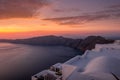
[{"x": 20, "y": 62}]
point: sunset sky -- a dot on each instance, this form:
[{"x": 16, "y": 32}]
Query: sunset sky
[{"x": 72, "y": 18}]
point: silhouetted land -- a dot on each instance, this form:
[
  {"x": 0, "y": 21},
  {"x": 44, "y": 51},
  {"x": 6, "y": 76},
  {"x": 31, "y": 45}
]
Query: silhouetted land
[{"x": 80, "y": 44}]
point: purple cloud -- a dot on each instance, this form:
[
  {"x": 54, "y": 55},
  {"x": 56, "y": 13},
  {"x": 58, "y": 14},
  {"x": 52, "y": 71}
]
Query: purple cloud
[
  {"x": 111, "y": 12},
  {"x": 66, "y": 10}
]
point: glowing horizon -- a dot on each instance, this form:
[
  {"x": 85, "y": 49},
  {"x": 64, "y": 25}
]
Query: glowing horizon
[{"x": 22, "y": 19}]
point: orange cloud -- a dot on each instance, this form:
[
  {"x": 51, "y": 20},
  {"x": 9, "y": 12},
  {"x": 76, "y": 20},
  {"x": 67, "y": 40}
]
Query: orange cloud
[{"x": 20, "y": 8}]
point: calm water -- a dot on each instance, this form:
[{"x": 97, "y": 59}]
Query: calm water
[{"x": 20, "y": 62}]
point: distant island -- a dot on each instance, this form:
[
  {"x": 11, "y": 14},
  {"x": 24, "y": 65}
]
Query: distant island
[{"x": 81, "y": 44}]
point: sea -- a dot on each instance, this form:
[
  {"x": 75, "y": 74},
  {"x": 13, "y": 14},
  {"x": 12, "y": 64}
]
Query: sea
[{"x": 20, "y": 62}]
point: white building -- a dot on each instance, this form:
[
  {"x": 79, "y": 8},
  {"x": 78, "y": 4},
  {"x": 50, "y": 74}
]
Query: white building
[{"x": 101, "y": 63}]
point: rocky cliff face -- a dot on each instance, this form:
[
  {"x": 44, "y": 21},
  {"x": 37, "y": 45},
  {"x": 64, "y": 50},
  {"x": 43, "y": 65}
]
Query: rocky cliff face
[
  {"x": 80, "y": 44},
  {"x": 89, "y": 42}
]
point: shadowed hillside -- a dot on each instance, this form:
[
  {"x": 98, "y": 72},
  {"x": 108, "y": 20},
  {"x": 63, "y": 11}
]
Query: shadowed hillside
[{"x": 80, "y": 44}]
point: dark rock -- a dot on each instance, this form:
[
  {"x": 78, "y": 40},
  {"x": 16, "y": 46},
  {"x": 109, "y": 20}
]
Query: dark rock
[
  {"x": 80, "y": 44},
  {"x": 89, "y": 42}
]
